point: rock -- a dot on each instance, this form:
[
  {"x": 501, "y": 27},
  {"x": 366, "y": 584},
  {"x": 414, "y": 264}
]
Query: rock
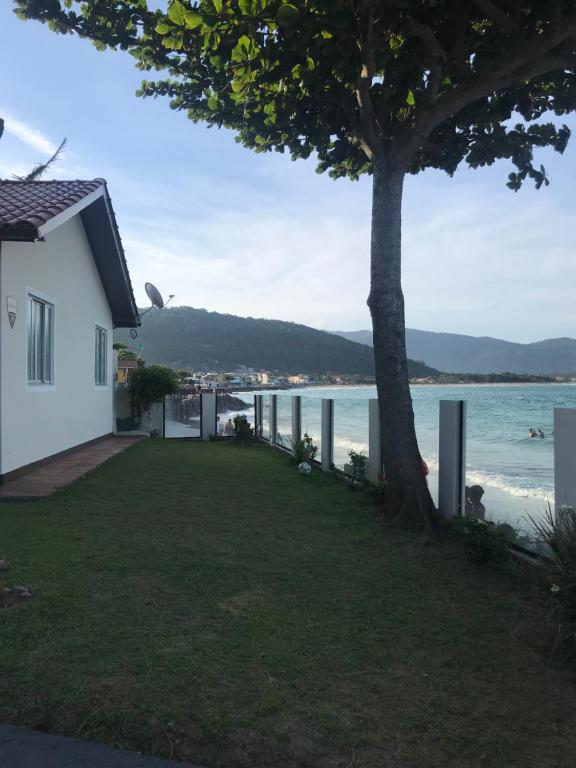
[{"x": 21, "y": 590}]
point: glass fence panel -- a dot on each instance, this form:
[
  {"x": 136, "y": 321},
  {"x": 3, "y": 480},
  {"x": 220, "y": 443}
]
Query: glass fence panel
[
  {"x": 266, "y": 417},
  {"x": 182, "y": 415},
  {"x": 312, "y": 422},
  {"x": 284, "y": 421},
  {"x": 509, "y": 466},
  {"x": 350, "y": 429},
  {"x": 232, "y": 405}
]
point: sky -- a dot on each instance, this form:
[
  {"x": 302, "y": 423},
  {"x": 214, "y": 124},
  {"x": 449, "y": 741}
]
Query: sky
[{"x": 258, "y": 235}]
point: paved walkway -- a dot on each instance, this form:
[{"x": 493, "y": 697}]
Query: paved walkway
[
  {"x": 23, "y": 748},
  {"x": 46, "y": 478}
]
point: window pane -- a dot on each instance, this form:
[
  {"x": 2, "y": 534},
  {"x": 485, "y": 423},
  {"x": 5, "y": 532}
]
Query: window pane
[
  {"x": 31, "y": 367},
  {"x": 100, "y": 356},
  {"x": 47, "y": 346},
  {"x": 40, "y": 341}
]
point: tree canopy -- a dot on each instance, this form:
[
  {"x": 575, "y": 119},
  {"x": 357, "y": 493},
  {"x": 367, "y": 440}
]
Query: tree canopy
[{"x": 440, "y": 81}]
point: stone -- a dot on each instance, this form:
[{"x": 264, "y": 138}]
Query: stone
[{"x": 22, "y": 590}]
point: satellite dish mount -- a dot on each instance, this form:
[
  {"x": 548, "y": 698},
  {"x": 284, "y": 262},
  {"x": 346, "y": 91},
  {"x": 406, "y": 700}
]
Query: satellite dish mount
[{"x": 156, "y": 300}]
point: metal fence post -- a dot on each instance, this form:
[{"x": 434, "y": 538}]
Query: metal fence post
[
  {"x": 296, "y": 419},
  {"x": 327, "y": 432},
  {"x": 273, "y": 419},
  {"x": 452, "y": 458},
  {"x": 374, "y": 469}
]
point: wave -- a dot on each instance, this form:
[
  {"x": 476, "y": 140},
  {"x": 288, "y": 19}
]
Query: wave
[{"x": 506, "y": 484}]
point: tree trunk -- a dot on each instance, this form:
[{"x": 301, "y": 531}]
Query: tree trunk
[{"x": 407, "y": 498}]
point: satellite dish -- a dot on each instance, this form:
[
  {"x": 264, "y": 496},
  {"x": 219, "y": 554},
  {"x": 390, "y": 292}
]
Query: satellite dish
[{"x": 154, "y": 295}]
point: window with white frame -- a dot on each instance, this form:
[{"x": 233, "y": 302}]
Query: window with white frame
[
  {"x": 100, "y": 356},
  {"x": 40, "y": 341}
]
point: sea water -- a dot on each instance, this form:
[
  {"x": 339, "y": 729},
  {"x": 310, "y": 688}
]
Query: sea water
[{"x": 515, "y": 470}]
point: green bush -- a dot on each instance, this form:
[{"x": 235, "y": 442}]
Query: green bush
[
  {"x": 484, "y": 542},
  {"x": 304, "y": 450},
  {"x": 150, "y": 385},
  {"x": 559, "y": 534},
  {"x": 358, "y": 462}
]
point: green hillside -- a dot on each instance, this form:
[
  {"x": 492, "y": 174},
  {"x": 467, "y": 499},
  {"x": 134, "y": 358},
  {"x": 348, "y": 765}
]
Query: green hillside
[{"x": 195, "y": 339}]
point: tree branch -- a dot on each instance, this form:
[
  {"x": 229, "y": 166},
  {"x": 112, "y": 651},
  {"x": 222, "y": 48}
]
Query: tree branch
[
  {"x": 367, "y": 128},
  {"x": 528, "y": 59},
  {"x": 496, "y": 15}
]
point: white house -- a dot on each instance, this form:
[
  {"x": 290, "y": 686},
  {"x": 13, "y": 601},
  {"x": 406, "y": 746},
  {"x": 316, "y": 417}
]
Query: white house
[{"x": 64, "y": 287}]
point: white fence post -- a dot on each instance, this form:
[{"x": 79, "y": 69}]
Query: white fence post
[
  {"x": 208, "y": 419},
  {"x": 564, "y": 458},
  {"x": 374, "y": 468},
  {"x": 327, "y": 435},
  {"x": 452, "y": 458},
  {"x": 273, "y": 418},
  {"x": 296, "y": 419}
]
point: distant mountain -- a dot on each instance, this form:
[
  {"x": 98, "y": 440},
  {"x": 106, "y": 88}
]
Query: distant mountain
[
  {"x": 195, "y": 339},
  {"x": 455, "y": 353}
]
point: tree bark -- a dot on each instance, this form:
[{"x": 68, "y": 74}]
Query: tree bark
[{"x": 407, "y": 498}]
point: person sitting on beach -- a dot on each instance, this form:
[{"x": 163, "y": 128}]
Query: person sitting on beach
[
  {"x": 541, "y": 434},
  {"x": 474, "y": 507}
]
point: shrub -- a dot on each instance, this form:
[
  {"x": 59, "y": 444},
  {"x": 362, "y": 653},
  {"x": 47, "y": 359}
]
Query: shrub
[
  {"x": 358, "y": 462},
  {"x": 560, "y": 537},
  {"x": 304, "y": 450},
  {"x": 484, "y": 542},
  {"x": 150, "y": 385}
]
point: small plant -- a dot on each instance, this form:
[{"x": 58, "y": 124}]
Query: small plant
[
  {"x": 304, "y": 450},
  {"x": 559, "y": 536},
  {"x": 358, "y": 463},
  {"x": 484, "y": 542}
]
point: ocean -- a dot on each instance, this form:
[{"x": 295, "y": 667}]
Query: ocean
[{"x": 516, "y": 471}]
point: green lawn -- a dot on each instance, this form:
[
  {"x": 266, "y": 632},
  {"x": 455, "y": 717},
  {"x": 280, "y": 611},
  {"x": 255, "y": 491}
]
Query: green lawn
[{"x": 209, "y": 602}]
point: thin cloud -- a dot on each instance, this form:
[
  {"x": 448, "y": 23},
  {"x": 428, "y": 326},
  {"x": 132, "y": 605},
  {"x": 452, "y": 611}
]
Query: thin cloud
[{"x": 29, "y": 136}]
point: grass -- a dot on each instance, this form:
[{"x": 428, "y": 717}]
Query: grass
[{"x": 209, "y": 602}]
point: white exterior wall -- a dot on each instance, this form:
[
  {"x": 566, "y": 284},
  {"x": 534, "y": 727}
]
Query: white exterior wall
[{"x": 37, "y": 421}]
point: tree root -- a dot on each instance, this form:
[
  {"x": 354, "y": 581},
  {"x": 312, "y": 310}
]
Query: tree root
[{"x": 409, "y": 508}]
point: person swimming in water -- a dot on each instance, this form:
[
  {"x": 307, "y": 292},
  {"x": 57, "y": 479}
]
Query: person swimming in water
[
  {"x": 541, "y": 434},
  {"x": 532, "y": 432}
]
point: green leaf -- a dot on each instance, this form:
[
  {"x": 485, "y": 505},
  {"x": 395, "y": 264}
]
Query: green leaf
[
  {"x": 217, "y": 5},
  {"x": 245, "y": 49},
  {"x": 192, "y": 20},
  {"x": 173, "y": 42},
  {"x": 287, "y": 15},
  {"x": 213, "y": 102},
  {"x": 162, "y": 28},
  {"x": 177, "y": 13},
  {"x": 410, "y": 100}
]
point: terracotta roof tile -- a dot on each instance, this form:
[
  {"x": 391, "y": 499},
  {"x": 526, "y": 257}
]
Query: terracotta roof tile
[{"x": 27, "y": 205}]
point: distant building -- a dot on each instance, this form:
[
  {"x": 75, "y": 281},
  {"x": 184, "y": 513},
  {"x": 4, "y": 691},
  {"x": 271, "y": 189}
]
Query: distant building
[{"x": 124, "y": 370}]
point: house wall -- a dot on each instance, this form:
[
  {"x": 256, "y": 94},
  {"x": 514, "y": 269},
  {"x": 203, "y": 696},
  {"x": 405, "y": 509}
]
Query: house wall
[{"x": 40, "y": 420}]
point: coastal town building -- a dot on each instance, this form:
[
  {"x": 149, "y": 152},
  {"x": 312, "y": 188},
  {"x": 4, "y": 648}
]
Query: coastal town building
[{"x": 64, "y": 288}]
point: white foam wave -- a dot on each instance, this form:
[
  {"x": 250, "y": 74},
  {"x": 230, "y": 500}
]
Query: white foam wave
[
  {"x": 350, "y": 445},
  {"x": 506, "y": 484}
]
